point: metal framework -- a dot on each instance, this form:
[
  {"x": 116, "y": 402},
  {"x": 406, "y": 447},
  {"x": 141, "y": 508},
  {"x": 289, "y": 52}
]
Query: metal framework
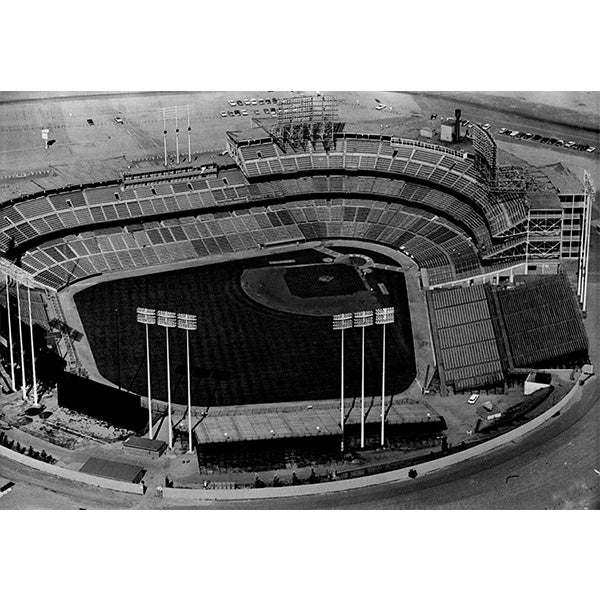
[
  {"x": 589, "y": 191},
  {"x": 486, "y": 152},
  {"x": 517, "y": 179},
  {"x": 304, "y": 120}
]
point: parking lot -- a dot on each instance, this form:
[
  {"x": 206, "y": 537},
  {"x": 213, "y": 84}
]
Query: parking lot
[
  {"x": 251, "y": 107},
  {"x": 550, "y": 141}
]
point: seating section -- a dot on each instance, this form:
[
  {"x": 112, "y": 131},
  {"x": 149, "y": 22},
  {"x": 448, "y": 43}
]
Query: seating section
[
  {"x": 430, "y": 163},
  {"x": 468, "y": 354},
  {"x": 436, "y": 244},
  {"x": 25, "y": 221},
  {"x": 543, "y": 322}
]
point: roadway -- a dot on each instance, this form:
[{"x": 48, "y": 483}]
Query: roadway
[{"x": 552, "y": 468}]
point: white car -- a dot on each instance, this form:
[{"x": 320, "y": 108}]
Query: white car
[
  {"x": 380, "y": 107},
  {"x": 119, "y": 120},
  {"x": 223, "y": 113},
  {"x": 591, "y": 149},
  {"x": 514, "y": 133},
  {"x": 244, "y": 113},
  {"x": 253, "y": 101},
  {"x": 486, "y": 126},
  {"x": 232, "y": 103},
  {"x": 473, "y": 398}
]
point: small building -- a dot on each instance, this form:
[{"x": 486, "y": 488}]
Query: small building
[{"x": 426, "y": 132}]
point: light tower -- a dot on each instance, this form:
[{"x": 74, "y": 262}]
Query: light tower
[
  {"x": 168, "y": 320},
  {"x": 383, "y": 316},
  {"x": 342, "y": 322},
  {"x": 189, "y": 323},
  {"x": 363, "y": 319},
  {"x": 147, "y": 316}
]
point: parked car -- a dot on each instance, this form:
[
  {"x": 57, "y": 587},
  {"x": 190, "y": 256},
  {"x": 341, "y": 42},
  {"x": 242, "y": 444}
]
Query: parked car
[
  {"x": 257, "y": 112},
  {"x": 514, "y": 133},
  {"x": 261, "y": 100},
  {"x": 237, "y": 113},
  {"x": 486, "y": 126},
  {"x": 231, "y": 113},
  {"x": 380, "y": 107},
  {"x": 591, "y": 149},
  {"x": 244, "y": 113},
  {"x": 266, "y": 111},
  {"x": 239, "y": 103},
  {"x": 253, "y": 101},
  {"x": 536, "y": 138},
  {"x": 118, "y": 120},
  {"x": 473, "y": 398},
  {"x": 569, "y": 144},
  {"x": 274, "y": 100},
  {"x": 247, "y": 102},
  {"x": 232, "y": 103},
  {"x": 90, "y": 121},
  {"x": 274, "y": 111},
  {"x": 267, "y": 100}
]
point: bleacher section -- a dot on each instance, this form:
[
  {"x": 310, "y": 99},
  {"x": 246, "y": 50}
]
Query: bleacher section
[
  {"x": 432, "y": 164},
  {"x": 543, "y": 322},
  {"x": 23, "y": 222},
  {"x": 464, "y": 338},
  {"x": 436, "y": 244}
]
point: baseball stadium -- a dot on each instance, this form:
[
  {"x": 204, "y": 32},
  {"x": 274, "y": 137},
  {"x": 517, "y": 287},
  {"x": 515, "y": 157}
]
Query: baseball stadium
[{"x": 310, "y": 284}]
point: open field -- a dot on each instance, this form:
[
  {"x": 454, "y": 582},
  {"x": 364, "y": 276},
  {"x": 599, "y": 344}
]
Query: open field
[{"x": 243, "y": 352}]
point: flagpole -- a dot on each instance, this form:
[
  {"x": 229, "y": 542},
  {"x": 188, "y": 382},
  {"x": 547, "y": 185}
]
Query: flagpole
[
  {"x": 35, "y": 394},
  {"x": 23, "y": 384},
  {"x": 10, "y": 339}
]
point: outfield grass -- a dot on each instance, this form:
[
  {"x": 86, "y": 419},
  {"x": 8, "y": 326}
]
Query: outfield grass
[{"x": 256, "y": 354}]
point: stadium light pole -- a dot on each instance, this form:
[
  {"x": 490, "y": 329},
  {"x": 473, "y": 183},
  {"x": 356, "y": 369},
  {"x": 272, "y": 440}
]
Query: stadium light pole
[
  {"x": 177, "y": 135},
  {"x": 363, "y": 319},
  {"x": 165, "y": 134},
  {"x": 383, "y": 316},
  {"x": 147, "y": 316},
  {"x": 342, "y": 322},
  {"x": 35, "y": 394},
  {"x": 189, "y": 323},
  {"x": 23, "y": 384},
  {"x": 10, "y": 338},
  {"x": 167, "y": 320},
  {"x": 189, "y": 132}
]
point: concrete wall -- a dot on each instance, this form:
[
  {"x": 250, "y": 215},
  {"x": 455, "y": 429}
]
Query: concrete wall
[{"x": 390, "y": 477}]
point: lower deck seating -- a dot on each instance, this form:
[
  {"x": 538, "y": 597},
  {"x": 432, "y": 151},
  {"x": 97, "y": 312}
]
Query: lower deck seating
[{"x": 433, "y": 242}]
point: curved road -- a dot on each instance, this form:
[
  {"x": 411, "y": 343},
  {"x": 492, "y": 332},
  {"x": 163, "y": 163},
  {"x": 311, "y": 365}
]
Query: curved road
[{"x": 551, "y": 468}]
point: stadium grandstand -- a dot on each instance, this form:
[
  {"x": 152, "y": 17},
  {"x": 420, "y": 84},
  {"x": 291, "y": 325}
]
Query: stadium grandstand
[{"x": 476, "y": 232}]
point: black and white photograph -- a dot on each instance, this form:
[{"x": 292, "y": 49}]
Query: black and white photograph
[{"x": 378, "y": 297}]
